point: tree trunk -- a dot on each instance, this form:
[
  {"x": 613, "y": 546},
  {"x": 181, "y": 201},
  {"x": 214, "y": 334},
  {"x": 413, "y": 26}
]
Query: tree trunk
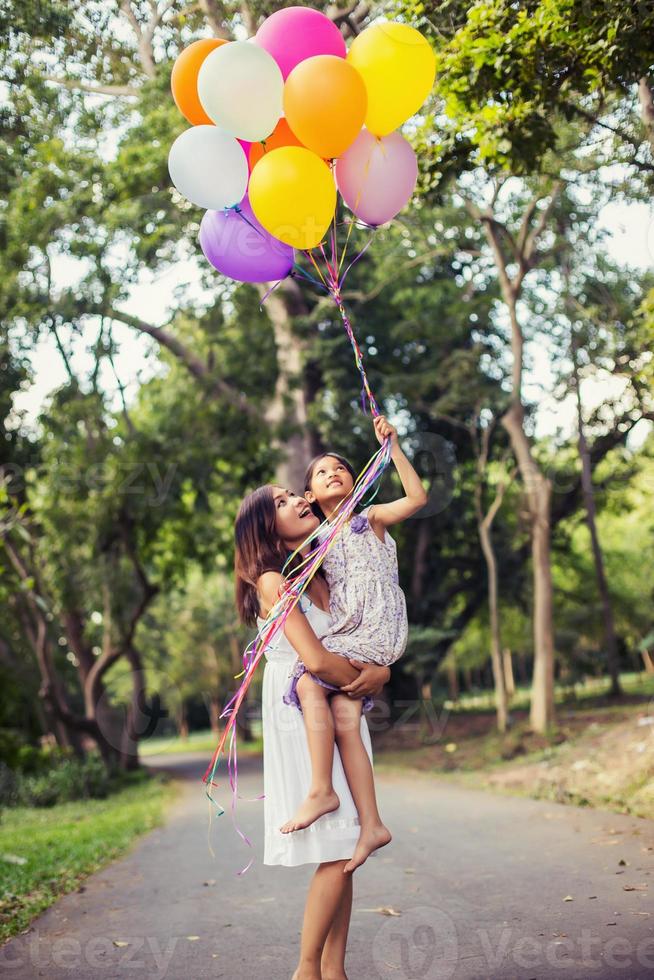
[
  {"x": 139, "y": 720},
  {"x": 214, "y": 14},
  {"x": 647, "y": 661},
  {"x": 598, "y": 558},
  {"x": 181, "y": 721},
  {"x": 215, "y": 708},
  {"x": 423, "y": 537},
  {"x": 453, "y": 683},
  {"x": 509, "y": 680},
  {"x": 496, "y": 640},
  {"x": 426, "y": 728},
  {"x": 287, "y": 411},
  {"x": 538, "y": 488},
  {"x": 538, "y": 491},
  {"x": 647, "y": 108}
]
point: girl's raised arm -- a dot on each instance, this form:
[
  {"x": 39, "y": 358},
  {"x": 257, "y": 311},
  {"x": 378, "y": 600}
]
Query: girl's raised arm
[{"x": 383, "y": 515}]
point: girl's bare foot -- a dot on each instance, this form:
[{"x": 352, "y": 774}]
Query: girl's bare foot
[
  {"x": 315, "y": 805},
  {"x": 369, "y": 840}
]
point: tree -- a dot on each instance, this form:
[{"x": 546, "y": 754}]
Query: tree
[
  {"x": 69, "y": 195},
  {"x": 487, "y": 123},
  {"x": 509, "y": 73}
]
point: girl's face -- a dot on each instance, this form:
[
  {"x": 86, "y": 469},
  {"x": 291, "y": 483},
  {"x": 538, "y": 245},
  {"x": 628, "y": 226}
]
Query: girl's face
[
  {"x": 330, "y": 483},
  {"x": 294, "y": 519}
]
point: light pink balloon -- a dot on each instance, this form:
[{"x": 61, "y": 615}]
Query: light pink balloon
[
  {"x": 293, "y": 34},
  {"x": 376, "y": 176}
]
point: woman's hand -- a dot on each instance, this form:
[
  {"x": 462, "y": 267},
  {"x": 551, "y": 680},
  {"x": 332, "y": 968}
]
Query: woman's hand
[{"x": 371, "y": 680}]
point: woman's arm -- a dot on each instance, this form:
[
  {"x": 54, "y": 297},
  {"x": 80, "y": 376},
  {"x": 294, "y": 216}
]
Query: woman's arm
[
  {"x": 383, "y": 515},
  {"x": 371, "y": 680},
  {"x": 323, "y": 663}
]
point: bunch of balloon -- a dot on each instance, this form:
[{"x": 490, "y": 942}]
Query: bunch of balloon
[
  {"x": 284, "y": 120},
  {"x": 279, "y": 124}
]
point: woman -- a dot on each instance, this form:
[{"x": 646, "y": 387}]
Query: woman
[{"x": 271, "y": 523}]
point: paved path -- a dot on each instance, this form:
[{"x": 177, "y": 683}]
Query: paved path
[{"x": 479, "y": 880}]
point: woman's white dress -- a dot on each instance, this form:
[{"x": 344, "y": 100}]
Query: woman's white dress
[{"x": 287, "y": 766}]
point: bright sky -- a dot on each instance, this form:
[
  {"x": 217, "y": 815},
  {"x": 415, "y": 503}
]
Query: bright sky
[{"x": 631, "y": 243}]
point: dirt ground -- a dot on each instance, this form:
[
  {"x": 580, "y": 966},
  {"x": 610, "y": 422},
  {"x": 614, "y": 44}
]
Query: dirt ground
[{"x": 598, "y": 755}]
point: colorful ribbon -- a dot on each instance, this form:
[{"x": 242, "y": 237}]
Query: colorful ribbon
[{"x": 297, "y": 581}]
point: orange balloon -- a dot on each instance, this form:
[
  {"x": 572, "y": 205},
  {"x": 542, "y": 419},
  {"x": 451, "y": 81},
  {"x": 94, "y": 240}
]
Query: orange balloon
[
  {"x": 325, "y": 103},
  {"x": 184, "y": 80},
  {"x": 282, "y": 135}
]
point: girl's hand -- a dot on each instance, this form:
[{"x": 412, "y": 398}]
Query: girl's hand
[
  {"x": 371, "y": 680},
  {"x": 383, "y": 429}
]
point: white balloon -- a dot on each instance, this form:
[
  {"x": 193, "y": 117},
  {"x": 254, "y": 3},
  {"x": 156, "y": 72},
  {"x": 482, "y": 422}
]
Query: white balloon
[
  {"x": 241, "y": 88},
  {"x": 208, "y": 167}
]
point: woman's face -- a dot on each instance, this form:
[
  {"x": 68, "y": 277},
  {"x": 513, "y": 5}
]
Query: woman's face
[{"x": 294, "y": 519}]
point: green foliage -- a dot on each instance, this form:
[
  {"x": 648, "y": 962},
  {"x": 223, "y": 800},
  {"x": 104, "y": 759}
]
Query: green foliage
[
  {"x": 507, "y": 73},
  {"x": 65, "y": 779}
]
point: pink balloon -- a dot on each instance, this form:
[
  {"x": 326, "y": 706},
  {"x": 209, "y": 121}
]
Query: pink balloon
[
  {"x": 246, "y": 147},
  {"x": 295, "y": 33},
  {"x": 376, "y": 176}
]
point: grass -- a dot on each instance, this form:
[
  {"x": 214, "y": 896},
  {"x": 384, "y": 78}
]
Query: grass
[
  {"x": 61, "y": 845},
  {"x": 589, "y": 691},
  {"x": 203, "y": 741}
]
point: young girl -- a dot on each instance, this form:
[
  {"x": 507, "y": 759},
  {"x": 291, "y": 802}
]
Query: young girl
[{"x": 369, "y": 625}]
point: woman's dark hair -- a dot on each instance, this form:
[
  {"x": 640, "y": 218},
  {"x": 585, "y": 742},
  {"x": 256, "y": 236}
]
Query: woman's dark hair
[
  {"x": 308, "y": 477},
  {"x": 258, "y": 549}
]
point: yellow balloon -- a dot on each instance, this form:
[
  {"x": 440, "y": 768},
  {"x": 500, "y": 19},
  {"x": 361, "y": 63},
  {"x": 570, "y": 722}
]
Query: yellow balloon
[
  {"x": 398, "y": 67},
  {"x": 293, "y": 194}
]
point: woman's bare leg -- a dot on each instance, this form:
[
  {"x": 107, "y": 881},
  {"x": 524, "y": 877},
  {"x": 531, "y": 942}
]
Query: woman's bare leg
[
  {"x": 319, "y": 726},
  {"x": 327, "y": 890},
  {"x": 332, "y": 964},
  {"x": 360, "y": 777}
]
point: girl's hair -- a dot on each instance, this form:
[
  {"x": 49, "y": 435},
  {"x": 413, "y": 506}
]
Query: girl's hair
[
  {"x": 258, "y": 549},
  {"x": 308, "y": 477}
]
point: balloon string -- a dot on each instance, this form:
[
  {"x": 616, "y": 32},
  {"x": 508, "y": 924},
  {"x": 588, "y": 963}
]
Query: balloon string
[
  {"x": 357, "y": 257},
  {"x": 334, "y": 285},
  {"x": 333, "y": 228},
  {"x": 239, "y": 212},
  {"x": 298, "y": 270},
  {"x": 300, "y": 577},
  {"x": 309, "y": 252},
  {"x": 366, "y": 171},
  {"x": 271, "y": 290}
]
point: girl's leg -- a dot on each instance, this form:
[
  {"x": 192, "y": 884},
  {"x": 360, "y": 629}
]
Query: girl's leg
[
  {"x": 319, "y": 725},
  {"x": 332, "y": 964},
  {"x": 360, "y": 777},
  {"x": 326, "y": 894}
]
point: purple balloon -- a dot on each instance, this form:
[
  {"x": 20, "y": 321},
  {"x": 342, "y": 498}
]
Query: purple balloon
[{"x": 238, "y": 246}]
